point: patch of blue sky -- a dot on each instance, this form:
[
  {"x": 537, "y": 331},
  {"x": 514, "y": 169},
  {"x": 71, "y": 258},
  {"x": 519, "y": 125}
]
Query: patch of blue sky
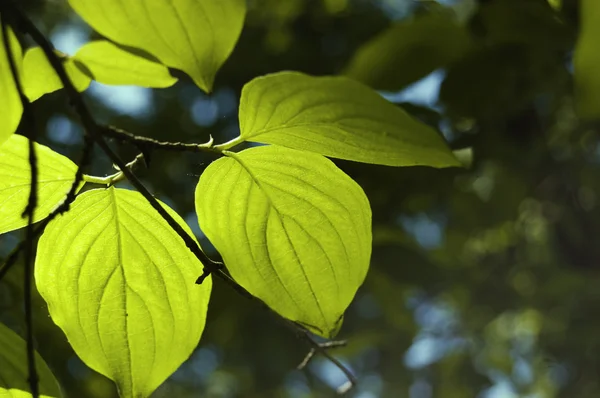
[
  {"x": 424, "y": 92},
  {"x": 62, "y": 130},
  {"x": 329, "y": 373},
  {"x": 436, "y": 317},
  {"x": 68, "y": 38},
  {"x": 427, "y": 350},
  {"x": 420, "y": 389},
  {"x": 503, "y": 389},
  {"x": 428, "y": 232},
  {"x": 126, "y": 100}
]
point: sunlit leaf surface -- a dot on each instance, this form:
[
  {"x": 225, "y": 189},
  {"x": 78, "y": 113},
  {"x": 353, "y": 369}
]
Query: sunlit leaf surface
[
  {"x": 14, "y": 371},
  {"x": 120, "y": 284},
  {"x": 337, "y": 117},
  {"x": 292, "y": 228},
  {"x": 55, "y": 177},
  {"x": 11, "y": 107},
  {"x": 39, "y": 77},
  {"x": 109, "y": 64},
  {"x": 195, "y": 36}
]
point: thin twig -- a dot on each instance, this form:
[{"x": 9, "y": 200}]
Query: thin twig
[
  {"x": 116, "y": 177},
  {"x": 326, "y": 345},
  {"x": 300, "y": 331},
  {"x": 323, "y": 350},
  {"x": 14, "y": 255},
  {"x": 145, "y": 143},
  {"x": 63, "y": 207},
  {"x": 31, "y": 131},
  {"x": 306, "y": 359},
  {"x": 96, "y": 133},
  {"x": 26, "y": 246}
]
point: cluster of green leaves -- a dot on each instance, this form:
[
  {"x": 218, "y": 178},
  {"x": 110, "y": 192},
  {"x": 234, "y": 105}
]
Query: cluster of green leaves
[{"x": 293, "y": 229}]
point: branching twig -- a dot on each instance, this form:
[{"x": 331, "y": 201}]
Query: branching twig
[
  {"x": 322, "y": 348},
  {"x": 96, "y": 133},
  {"x": 63, "y": 207},
  {"x": 116, "y": 177},
  {"x": 31, "y": 131},
  {"x": 301, "y": 332},
  {"x": 326, "y": 345},
  {"x": 145, "y": 143},
  {"x": 14, "y": 255},
  {"x": 26, "y": 246}
]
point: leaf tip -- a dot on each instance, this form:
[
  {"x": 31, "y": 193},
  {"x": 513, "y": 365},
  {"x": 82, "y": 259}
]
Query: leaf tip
[{"x": 205, "y": 83}]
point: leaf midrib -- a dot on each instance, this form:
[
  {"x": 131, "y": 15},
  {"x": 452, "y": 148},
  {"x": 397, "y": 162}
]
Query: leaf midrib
[{"x": 236, "y": 158}]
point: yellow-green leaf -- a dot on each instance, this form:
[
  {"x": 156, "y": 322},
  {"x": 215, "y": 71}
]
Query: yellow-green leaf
[
  {"x": 39, "y": 77},
  {"x": 120, "y": 283},
  {"x": 55, "y": 172},
  {"x": 14, "y": 370},
  {"x": 292, "y": 228},
  {"x": 586, "y": 61},
  {"x": 337, "y": 117},
  {"x": 195, "y": 36},
  {"x": 110, "y": 64},
  {"x": 11, "y": 107}
]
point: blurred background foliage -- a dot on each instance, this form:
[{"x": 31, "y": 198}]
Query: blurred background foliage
[{"x": 484, "y": 281}]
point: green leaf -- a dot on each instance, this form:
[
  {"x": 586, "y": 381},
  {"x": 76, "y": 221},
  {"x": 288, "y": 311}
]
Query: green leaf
[
  {"x": 195, "y": 36},
  {"x": 11, "y": 108},
  {"x": 55, "y": 172},
  {"x": 39, "y": 77},
  {"x": 586, "y": 61},
  {"x": 109, "y": 64},
  {"x": 409, "y": 51},
  {"x": 120, "y": 283},
  {"x": 292, "y": 228},
  {"x": 337, "y": 117},
  {"x": 14, "y": 371}
]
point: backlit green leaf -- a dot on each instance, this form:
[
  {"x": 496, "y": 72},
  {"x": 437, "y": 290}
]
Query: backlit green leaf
[
  {"x": 55, "y": 172},
  {"x": 195, "y": 36},
  {"x": 337, "y": 117},
  {"x": 409, "y": 51},
  {"x": 110, "y": 64},
  {"x": 293, "y": 229},
  {"x": 39, "y": 77},
  {"x": 120, "y": 283},
  {"x": 586, "y": 61},
  {"x": 11, "y": 107},
  {"x": 14, "y": 371}
]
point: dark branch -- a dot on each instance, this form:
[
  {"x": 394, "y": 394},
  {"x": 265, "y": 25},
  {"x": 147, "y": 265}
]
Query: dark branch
[
  {"x": 63, "y": 207},
  {"x": 145, "y": 143},
  {"x": 322, "y": 348},
  {"x": 31, "y": 131},
  {"x": 326, "y": 345},
  {"x": 96, "y": 133},
  {"x": 300, "y": 331}
]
